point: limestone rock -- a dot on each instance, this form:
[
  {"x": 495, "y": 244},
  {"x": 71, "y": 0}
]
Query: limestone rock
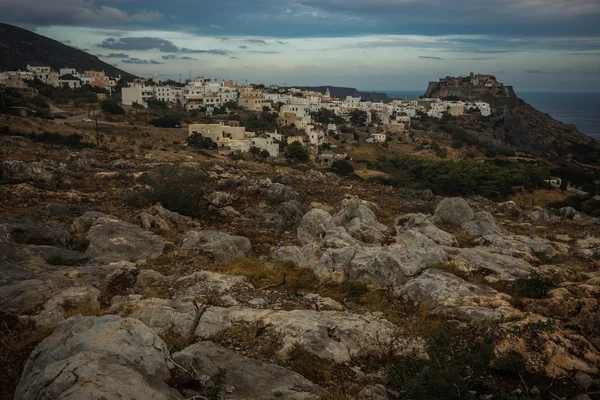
[
  {"x": 81, "y": 225},
  {"x": 482, "y": 224},
  {"x": 35, "y": 173},
  {"x": 158, "y": 217},
  {"x": 333, "y": 335},
  {"x": 278, "y": 193},
  {"x": 98, "y": 357},
  {"x": 454, "y": 211},
  {"x": 245, "y": 377},
  {"x": 443, "y": 292},
  {"x": 291, "y": 212},
  {"x": 361, "y": 224},
  {"x": 218, "y": 245},
  {"x": 420, "y": 223},
  {"x": 68, "y": 301},
  {"x": 25, "y": 230},
  {"x": 383, "y": 266},
  {"x": 165, "y": 317},
  {"x": 113, "y": 241},
  {"x": 313, "y": 226},
  {"x": 502, "y": 267}
]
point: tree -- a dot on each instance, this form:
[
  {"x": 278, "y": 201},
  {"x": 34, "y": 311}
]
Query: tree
[
  {"x": 197, "y": 141},
  {"x": 296, "y": 151},
  {"x": 112, "y": 107},
  {"x": 254, "y": 151},
  {"x": 358, "y": 117},
  {"x": 188, "y": 190},
  {"x": 264, "y": 154},
  {"x": 231, "y": 105},
  {"x": 343, "y": 167},
  {"x": 165, "y": 122}
]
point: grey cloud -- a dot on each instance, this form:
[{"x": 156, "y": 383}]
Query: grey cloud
[
  {"x": 431, "y": 58},
  {"x": 219, "y": 52},
  {"x": 234, "y": 58},
  {"x": 256, "y": 41},
  {"x": 175, "y": 57},
  {"x": 243, "y": 47},
  {"x": 114, "y": 55},
  {"x": 135, "y": 60},
  {"x": 139, "y": 43},
  {"x": 71, "y": 12},
  {"x": 264, "y": 52}
]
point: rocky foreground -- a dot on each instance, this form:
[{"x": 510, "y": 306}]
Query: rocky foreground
[{"x": 307, "y": 287}]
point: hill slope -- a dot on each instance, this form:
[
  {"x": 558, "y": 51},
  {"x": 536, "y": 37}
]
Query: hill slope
[
  {"x": 20, "y": 47},
  {"x": 517, "y": 125}
]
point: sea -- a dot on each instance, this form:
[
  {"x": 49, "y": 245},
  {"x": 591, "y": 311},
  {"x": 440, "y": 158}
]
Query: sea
[{"x": 579, "y": 109}]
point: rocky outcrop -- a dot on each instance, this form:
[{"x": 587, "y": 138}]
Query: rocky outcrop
[
  {"x": 382, "y": 266},
  {"x": 217, "y": 245},
  {"x": 98, "y": 357},
  {"x": 333, "y": 335},
  {"x": 482, "y": 224},
  {"x": 166, "y": 317},
  {"x": 245, "y": 378},
  {"x": 360, "y": 223},
  {"x": 420, "y": 223},
  {"x": 447, "y": 294},
  {"x": 25, "y": 230},
  {"x": 113, "y": 241},
  {"x": 162, "y": 220},
  {"x": 501, "y": 267},
  {"x": 454, "y": 211},
  {"x": 313, "y": 226}
]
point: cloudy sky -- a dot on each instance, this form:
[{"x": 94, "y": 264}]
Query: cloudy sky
[{"x": 535, "y": 45}]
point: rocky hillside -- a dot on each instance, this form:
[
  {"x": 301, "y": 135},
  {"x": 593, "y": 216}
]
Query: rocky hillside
[
  {"x": 257, "y": 281},
  {"x": 20, "y": 47}
]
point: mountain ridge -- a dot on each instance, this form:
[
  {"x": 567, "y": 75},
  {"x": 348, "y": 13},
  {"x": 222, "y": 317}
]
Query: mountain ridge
[{"x": 20, "y": 47}]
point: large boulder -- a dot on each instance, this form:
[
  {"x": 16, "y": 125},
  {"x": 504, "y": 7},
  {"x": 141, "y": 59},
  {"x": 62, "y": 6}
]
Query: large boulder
[
  {"x": 218, "y": 245},
  {"x": 70, "y": 300},
  {"x": 445, "y": 293},
  {"x": 25, "y": 230},
  {"x": 501, "y": 267},
  {"x": 482, "y": 224},
  {"x": 454, "y": 211},
  {"x": 334, "y": 335},
  {"x": 113, "y": 241},
  {"x": 98, "y": 358},
  {"x": 81, "y": 225},
  {"x": 381, "y": 266},
  {"x": 292, "y": 212},
  {"x": 27, "y": 295},
  {"x": 159, "y": 218},
  {"x": 278, "y": 193},
  {"x": 420, "y": 223},
  {"x": 361, "y": 223},
  {"x": 313, "y": 226},
  {"x": 35, "y": 173},
  {"x": 245, "y": 378},
  {"x": 165, "y": 317}
]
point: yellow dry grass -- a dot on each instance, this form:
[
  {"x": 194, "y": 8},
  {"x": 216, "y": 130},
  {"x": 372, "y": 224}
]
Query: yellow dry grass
[{"x": 539, "y": 197}]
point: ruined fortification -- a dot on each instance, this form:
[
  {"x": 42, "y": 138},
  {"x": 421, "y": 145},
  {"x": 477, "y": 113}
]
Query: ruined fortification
[{"x": 483, "y": 87}]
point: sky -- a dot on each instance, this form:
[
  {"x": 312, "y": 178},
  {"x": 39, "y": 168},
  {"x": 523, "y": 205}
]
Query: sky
[{"x": 534, "y": 45}]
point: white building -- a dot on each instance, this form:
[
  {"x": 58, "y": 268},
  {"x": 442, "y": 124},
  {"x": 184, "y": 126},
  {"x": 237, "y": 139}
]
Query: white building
[
  {"x": 268, "y": 144},
  {"x": 377, "y": 138},
  {"x": 67, "y": 71},
  {"x": 137, "y": 95}
]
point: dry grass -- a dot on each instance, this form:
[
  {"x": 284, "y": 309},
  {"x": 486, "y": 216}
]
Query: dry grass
[
  {"x": 16, "y": 344},
  {"x": 539, "y": 197},
  {"x": 464, "y": 239}
]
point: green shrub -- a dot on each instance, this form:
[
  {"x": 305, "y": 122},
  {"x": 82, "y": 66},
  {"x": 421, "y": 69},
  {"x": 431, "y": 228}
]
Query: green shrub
[
  {"x": 112, "y": 107},
  {"x": 165, "y": 122},
  {"x": 186, "y": 190},
  {"x": 343, "y": 167},
  {"x": 532, "y": 287}
]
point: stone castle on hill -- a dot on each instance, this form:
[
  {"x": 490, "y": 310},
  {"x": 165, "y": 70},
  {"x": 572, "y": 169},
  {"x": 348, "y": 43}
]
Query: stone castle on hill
[{"x": 483, "y": 87}]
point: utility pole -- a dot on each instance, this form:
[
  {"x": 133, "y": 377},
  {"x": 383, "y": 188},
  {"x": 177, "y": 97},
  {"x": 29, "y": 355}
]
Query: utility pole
[{"x": 97, "y": 133}]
